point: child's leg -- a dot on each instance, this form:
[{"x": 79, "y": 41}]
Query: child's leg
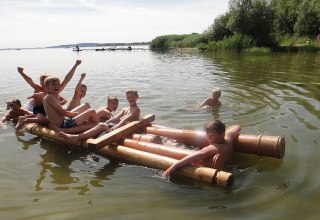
[
  {"x": 87, "y": 134},
  {"x": 74, "y": 130},
  {"x": 81, "y": 108},
  {"x": 88, "y": 115}
]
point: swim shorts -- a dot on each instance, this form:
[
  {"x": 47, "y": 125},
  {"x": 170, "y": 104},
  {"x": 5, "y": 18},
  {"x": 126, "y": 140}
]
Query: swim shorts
[
  {"x": 68, "y": 123},
  {"x": 38, "y": 109},
  {"x": 110, "y": 125},
  {"x": 30, "y": 106}
]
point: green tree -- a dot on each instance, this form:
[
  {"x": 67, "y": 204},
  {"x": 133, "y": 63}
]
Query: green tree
[
  {"x": 308, "y": 21},
  {"x": 286, "y": 13},
  {"x": 253, "y": 18},
  {"x": 219, "y": 30}
]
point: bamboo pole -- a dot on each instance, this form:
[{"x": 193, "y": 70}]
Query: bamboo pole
[
  {"x": 170, "y": 151},
  {"x": 261, "y": 145},
  {"x": 209, "y": 175}
]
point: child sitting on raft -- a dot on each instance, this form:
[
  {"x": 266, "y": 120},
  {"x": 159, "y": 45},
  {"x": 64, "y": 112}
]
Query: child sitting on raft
[
  {"x": 62, "y": 118},
  {"x": 126, "y": 115},
  {"x": 35, "y": 105},
  {"x": 213, "y": 100},
  {"x": 15, "y": 112},
  {"x": 38, "y": 109},
  {"x": 79, "y": 92},
  {"x": 104, "y": 113},
  {"x": 221, "y": 141}
]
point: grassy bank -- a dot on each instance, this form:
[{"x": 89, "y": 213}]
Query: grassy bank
[{"x": 237, "y": 43}]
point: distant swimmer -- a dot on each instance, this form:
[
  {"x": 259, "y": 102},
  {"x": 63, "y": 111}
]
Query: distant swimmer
[{"x": 213, "y": 100}]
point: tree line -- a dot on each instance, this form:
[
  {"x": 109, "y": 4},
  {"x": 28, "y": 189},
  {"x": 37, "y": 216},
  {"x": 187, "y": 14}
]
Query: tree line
[{"x": 254, "y": 23}]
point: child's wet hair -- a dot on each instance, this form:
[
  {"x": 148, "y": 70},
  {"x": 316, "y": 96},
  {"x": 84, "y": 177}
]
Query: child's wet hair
[
  {"x": 43, "y": 76},
  {"x": 51, "y": 79},
  {"x": 215, "y": 125},
  {"x": 112, "y": 98},
  {"x": 216, "y": 90},
  {"x": 16, "y": 101},
  {"x": 132, "y": 91}
]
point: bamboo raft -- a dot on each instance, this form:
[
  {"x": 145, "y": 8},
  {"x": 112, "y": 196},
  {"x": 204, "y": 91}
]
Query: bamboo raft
[{"x": 140, "y": 142}]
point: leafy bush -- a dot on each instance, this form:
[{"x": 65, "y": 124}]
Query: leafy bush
[{"x": 258, "y": 51}]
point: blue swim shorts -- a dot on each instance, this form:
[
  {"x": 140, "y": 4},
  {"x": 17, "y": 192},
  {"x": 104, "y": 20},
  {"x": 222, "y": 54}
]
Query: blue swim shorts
[{"x": 68, "y": 123}]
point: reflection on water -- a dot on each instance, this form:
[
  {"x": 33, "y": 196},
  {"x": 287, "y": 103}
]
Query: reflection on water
[{"x": 273, "y": 95}]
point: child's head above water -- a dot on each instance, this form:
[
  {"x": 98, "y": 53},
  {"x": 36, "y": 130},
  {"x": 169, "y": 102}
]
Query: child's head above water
[
  {"x": 216, "y": 92},
  {"x": 15, "y": 103}
]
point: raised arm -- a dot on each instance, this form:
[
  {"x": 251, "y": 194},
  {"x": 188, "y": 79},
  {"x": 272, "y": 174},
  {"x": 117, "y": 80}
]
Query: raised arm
[
  {"x": 77, "y": 91},
  {"x": 34, "y": 85},
  {"x": 69, "y": 76}
]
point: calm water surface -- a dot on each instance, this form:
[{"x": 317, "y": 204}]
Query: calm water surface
[{"x": 274, "y": 95}]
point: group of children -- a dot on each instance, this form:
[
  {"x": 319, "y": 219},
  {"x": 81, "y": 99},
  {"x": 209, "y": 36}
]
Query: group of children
[{"x": 79, "y": 121}]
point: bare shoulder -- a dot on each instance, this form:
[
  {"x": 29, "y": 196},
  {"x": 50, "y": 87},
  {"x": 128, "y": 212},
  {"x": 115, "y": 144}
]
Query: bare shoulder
[
  {"x": 210, "y": 149},
  {"x": 136, "y": 113},
  {"x": 49, "y": 99}
]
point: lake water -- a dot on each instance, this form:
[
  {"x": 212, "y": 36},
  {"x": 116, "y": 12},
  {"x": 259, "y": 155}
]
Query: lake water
[{"x": 273, "y": 95}]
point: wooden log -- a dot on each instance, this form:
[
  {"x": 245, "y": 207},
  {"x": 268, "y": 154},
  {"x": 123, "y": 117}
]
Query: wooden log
[
  {"x": 148, "y": 138},
  {"x": 47, "y": 133},
  {"x": 91, "y": 143},
  {"x": 170, "y": 151},
  {"x": 209, "y": 175},
  {"x": 261, "y": 145},
  {"x": 120, "y": 133}
]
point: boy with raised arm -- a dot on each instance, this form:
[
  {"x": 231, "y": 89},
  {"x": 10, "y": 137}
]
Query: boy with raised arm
[
  {"x": 38, "y": 109},
  {"x": 221, "y": 141},
  {"x": 62, "y": 118},
  {"x": 126, "y": 115},
  {"x": 79, "y": 92},
  {"x": 213, "y": 100}
]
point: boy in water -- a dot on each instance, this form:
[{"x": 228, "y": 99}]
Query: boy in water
[
  {"x": 61, "y": 118},
  {"x": 221, "y": 141},
  {"x": 212, "y": 101},
  {"x": 15, "y": 112},
  {"x": 126, "y": 115},
  {"x": 79, "y": 92},
  {"x": 104, "y": 113}
]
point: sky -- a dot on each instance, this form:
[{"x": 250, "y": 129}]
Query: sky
[{"x": 41, "y": 23}]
